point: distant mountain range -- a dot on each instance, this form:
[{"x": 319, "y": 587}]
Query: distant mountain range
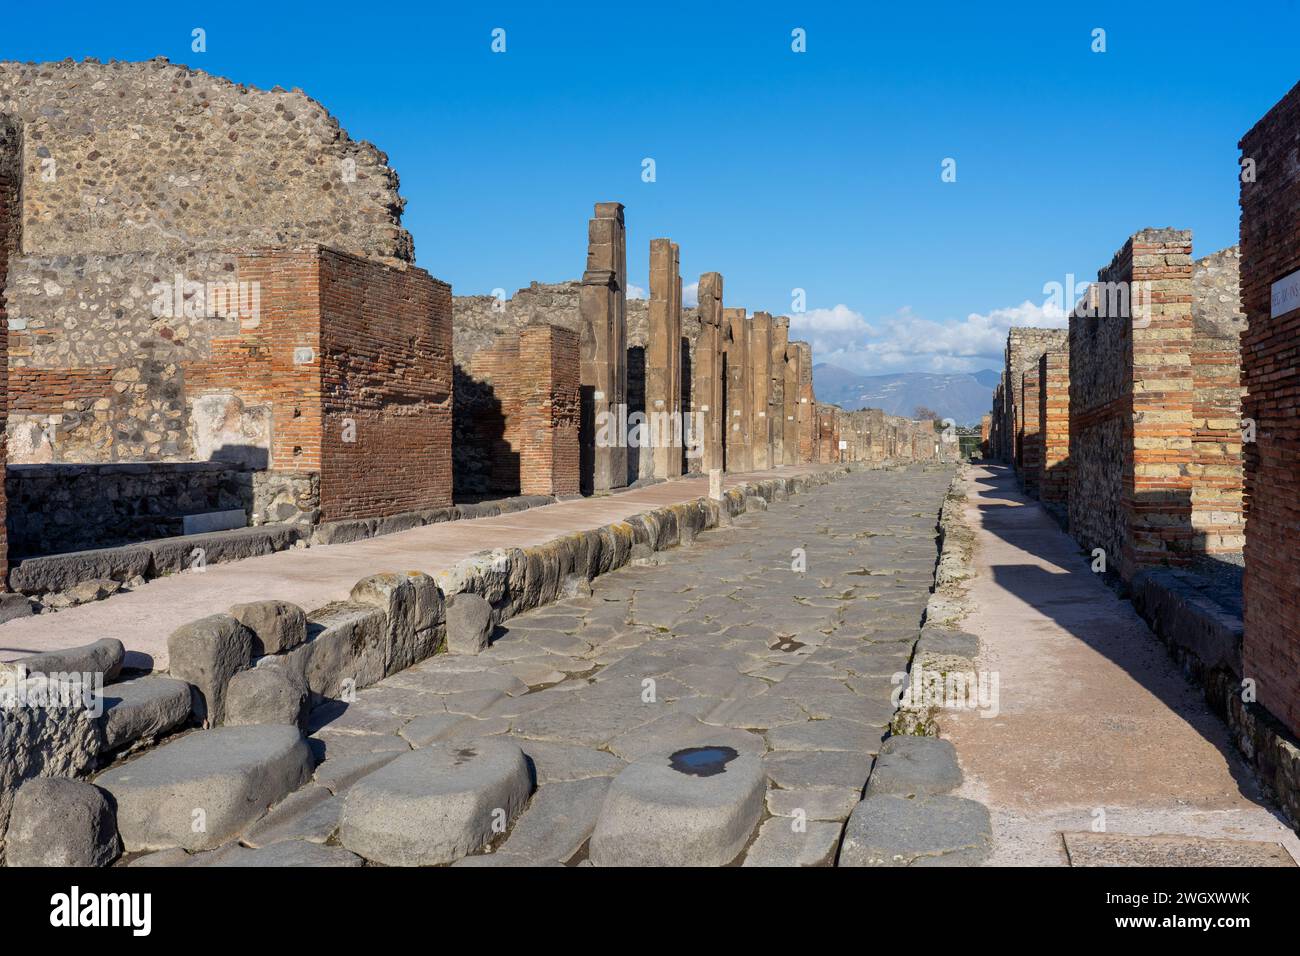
[{"x": 964, "y": 397}]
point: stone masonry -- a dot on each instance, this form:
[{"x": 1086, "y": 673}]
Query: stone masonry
[
  {"x": 603, "y": 306},
  {"x": 664, "y": 354}
]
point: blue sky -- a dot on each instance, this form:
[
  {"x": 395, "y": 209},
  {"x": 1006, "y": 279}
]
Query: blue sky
[{"x": 781, "y": 170}]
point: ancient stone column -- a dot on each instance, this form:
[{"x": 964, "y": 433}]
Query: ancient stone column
[
  {"x": 790, "y": 409},
  {"x": 707, "y": 410},
  {"x": 663, "y": 377},
  {"x": 739, "y": 397},
  {"x": 807, "y": 414},
  {"x": 776, "y": 394},
  {"x": 760, "y": 366},
  {"x": 602, "y": 310}
]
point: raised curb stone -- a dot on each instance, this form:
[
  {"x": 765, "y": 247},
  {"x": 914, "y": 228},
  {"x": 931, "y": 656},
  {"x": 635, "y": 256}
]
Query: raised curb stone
[
  {"x": 267, "y": 694},
  {"x": 143, "y": 709},
  {"x": 469, "y": 624},
  {"x": 205, "y": 654},
  {"x": 915, "y": 767},
  {"x": 277, "y": 626}
]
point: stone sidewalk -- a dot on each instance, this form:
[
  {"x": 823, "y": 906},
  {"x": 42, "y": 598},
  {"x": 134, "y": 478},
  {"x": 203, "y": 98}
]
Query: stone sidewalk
[
  {"x": 143, "y": 618},
  {"x": 716, "y": 655},
  {"x": 1097, "y": 726}
]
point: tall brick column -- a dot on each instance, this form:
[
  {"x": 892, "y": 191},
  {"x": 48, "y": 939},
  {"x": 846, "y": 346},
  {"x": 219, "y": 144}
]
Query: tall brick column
[
  {"x": 1270, "y": 298},
  {"x": 760, "y": 381},
  {"x": 739, "y": 401},
  {"x": 549, "y": 410},
  {"x": 663, "y": 377},
  {"x": 776, "y": 406},
  {"x": 1054, "y": 424},
  {"x": 602, "y": 307},
  {"x": 708, "y": 411}
]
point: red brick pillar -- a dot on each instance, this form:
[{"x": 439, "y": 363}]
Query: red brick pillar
[
  {"x": 1270, "y": 298},
  {"x": 549, "y": 410}
]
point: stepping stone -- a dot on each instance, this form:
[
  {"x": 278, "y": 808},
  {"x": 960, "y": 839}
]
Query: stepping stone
[
  {"x": 794, "y": 770},
  {"x": 694, "y": 807},
  {"x": 423, "y": 731},
  {"x": 821, "y": 735},
  {"x": 61, "y": 822},
  {"x": 102, "y": 657},
  {"x": 142, "y": 709},
  {"x": 915, "y": 767},
  {"x": 889, "y": 830},
  {"x": 437, "y": 804},
  {"x": 204, "y": 789},
  {"x": 780, "y": 844}
]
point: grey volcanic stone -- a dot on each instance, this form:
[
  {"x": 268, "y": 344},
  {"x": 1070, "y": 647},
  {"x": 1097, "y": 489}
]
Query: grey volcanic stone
[
  {"x": 755, "y": 503},
  {"x": 657, "y": 815},
  {"x": 285, "y": 853},
  {"x": 61, "y": 822},
  {"x": 310, "y": 814},
  {"x": 469, "y": 623},
  {"x": 558, "y": 821},
  {"x": 43, "y": 741},
  {"x": 102, "y": 657},
  {"x": 437, "y": 804},
  {"x": 203, "y": 790},
  {"x": 205, "y": 654},
  {"x": 345, "y": 650},
  {"x": 143, "y": 708},
  {"x": 277, "y": 626},
  {"x": 914, "y": 766},
  {"x": 13, "y": 605},
  {"x": 779, "y": 843},
  {"x": 267, "y": 694},
  {"x": 414, "y": 608},
  {"x": 58, "y": 572},
  {"x": 889, "y": 830}
]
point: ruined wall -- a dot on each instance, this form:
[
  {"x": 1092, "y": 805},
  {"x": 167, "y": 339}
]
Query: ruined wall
[
  {"x": 10, "y": 243},
  {"x": 496, "y": 419},
  {"x": 1131, "y": 397},
  {"x": 1024, "y": 347},
  {"x": 1270, "y": 254},
  {"x": 1218, "y": 519},
  {"x": 141, "y": 185},
  {"x": 1054, "y": 425},
  {"x": 133, "y": 157},
  {"x": 1031, "y": 435}
]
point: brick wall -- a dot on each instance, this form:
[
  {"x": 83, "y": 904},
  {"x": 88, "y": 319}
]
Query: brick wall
[
  {"x": 496, "y": 421},
  {"x": 1270, "y": 251},
  {"x": 10, "y": 243},
  {"x": 1218, "y": 518},
  {"x": 355, "y": 357},
  {"x": 1054, "y": 425},
  {"x": 1131, "y": 391},
  {"x": 1031, "y": 436}
]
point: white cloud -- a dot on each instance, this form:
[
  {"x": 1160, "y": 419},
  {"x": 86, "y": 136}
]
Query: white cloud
[
  {"x": 906, "y": 342},
  {"x": 691, "y": 295},
  {"x": 636, "y": 292}
]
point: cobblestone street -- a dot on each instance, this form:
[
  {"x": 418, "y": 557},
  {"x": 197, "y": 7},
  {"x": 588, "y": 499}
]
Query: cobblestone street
[{"x": 719, "y": 646}]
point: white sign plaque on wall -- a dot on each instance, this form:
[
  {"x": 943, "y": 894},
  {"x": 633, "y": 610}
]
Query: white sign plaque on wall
[{"x": 1286, "y": 295}]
